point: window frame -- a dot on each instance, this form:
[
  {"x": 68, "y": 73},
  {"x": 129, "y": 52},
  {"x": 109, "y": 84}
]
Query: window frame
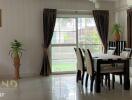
[{"x": 71, "y": 44}]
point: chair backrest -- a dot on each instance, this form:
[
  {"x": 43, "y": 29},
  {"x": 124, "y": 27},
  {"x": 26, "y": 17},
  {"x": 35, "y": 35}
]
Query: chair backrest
[
  {"x": 126, "y": 52},
  {"x": 89, "y": 62},
  {"x": 80, "y": 59},
  {"x": 111, "y": 50}
]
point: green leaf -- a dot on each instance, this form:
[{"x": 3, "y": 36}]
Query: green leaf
[
  {"x": 116, "y": 29},
  {"x": 16, "y": 48}
]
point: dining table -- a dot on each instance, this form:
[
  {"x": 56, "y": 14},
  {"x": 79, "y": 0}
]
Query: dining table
[{"x": 110, "y": 59}]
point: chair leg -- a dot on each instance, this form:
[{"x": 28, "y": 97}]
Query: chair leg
[
  {"x": 82, "y": 77},
  {"x": 106, "y": 78},
  {"x": 108, "y": 81},
  {"x": 91, "y": 85},
  {"x": 102, "y": 79},
  {"x": 121, "y": 79},
  {"x": 113, "y": 81},
  {"x": 86, "y": 82},
  {"x": 78, "y": 77}
]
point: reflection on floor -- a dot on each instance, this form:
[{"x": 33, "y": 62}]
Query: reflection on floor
[{"x": 59, "y": 87}]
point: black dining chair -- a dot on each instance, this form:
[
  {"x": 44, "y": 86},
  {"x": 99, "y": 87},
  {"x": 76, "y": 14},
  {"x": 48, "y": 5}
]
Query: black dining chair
[
  {"x": 80, "y": 65},
  {"x": 126, "y": 53},
  {"x": 91, "y": 71},
  {"x": 111, "y": 50}
]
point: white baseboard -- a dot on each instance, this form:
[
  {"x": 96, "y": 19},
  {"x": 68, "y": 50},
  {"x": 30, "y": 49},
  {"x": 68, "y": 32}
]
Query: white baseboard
[{"x": 22, "y": 75}]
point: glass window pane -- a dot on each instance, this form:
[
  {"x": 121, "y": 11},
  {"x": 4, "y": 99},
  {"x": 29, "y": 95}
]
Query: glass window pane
[
  {"x": 67, "y": 24},
  {"x": 64, "y": 38},
  {"x": 56, "y": 38},
  {"x": 87, "y": 32},
  {"x": 63, "y": 59},
  {"x": 65, "y": 31},
  {"x": 57, "y": 25}
]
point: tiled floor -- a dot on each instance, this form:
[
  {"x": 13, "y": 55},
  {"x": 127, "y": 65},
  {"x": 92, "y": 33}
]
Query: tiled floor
[{"x": 59, "y": 87}]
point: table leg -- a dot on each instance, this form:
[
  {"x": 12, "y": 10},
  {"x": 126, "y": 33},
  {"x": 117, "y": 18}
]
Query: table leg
[
  {"x": 97, "y": 79},
  {"x": 126, "y": 75}
]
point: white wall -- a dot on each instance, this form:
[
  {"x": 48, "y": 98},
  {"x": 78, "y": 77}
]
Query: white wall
[
  {"x": 129, "y": 2},
  {"x": 22, "y": 20},
  {"x": 121, "y": 17}
]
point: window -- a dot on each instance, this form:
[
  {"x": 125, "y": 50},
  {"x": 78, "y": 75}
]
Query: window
[
  {"x": 70, "y": 33},
  {"x": 63, "y": 42},
  {"x": 88, "y": 35},
  {"x": 63, "y": 59},
  {"x": 65, "y": 31}
]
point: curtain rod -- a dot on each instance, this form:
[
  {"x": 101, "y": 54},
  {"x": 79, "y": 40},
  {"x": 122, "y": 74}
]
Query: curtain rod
[
  {"x": 69, "y": 11},
  {"x": 73, "y": 10}
]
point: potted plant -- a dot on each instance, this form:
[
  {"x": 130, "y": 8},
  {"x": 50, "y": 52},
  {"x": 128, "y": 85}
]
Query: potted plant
[
  {"x": 116, "y": 30},
  {"x": 16, "y": 53}
]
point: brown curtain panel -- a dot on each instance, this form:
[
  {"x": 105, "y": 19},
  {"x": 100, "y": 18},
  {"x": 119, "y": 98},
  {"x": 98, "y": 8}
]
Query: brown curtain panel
[
  {"x": 101, "y": 18},
  {"x": 129, "y": 28},
  {"x": 49, "y": 19}
]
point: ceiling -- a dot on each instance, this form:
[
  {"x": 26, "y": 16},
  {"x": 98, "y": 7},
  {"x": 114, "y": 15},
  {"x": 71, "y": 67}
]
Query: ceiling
[
  {"x": 104, "y": 0},
  {"x": 107, "y": 0}
]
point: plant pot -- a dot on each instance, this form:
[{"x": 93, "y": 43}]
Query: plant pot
[
  {"x": 117, "y": 36},
  {"x": 17, "y": 66}
]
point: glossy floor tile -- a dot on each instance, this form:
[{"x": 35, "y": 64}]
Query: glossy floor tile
[{"x": 59, "y": 87}]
